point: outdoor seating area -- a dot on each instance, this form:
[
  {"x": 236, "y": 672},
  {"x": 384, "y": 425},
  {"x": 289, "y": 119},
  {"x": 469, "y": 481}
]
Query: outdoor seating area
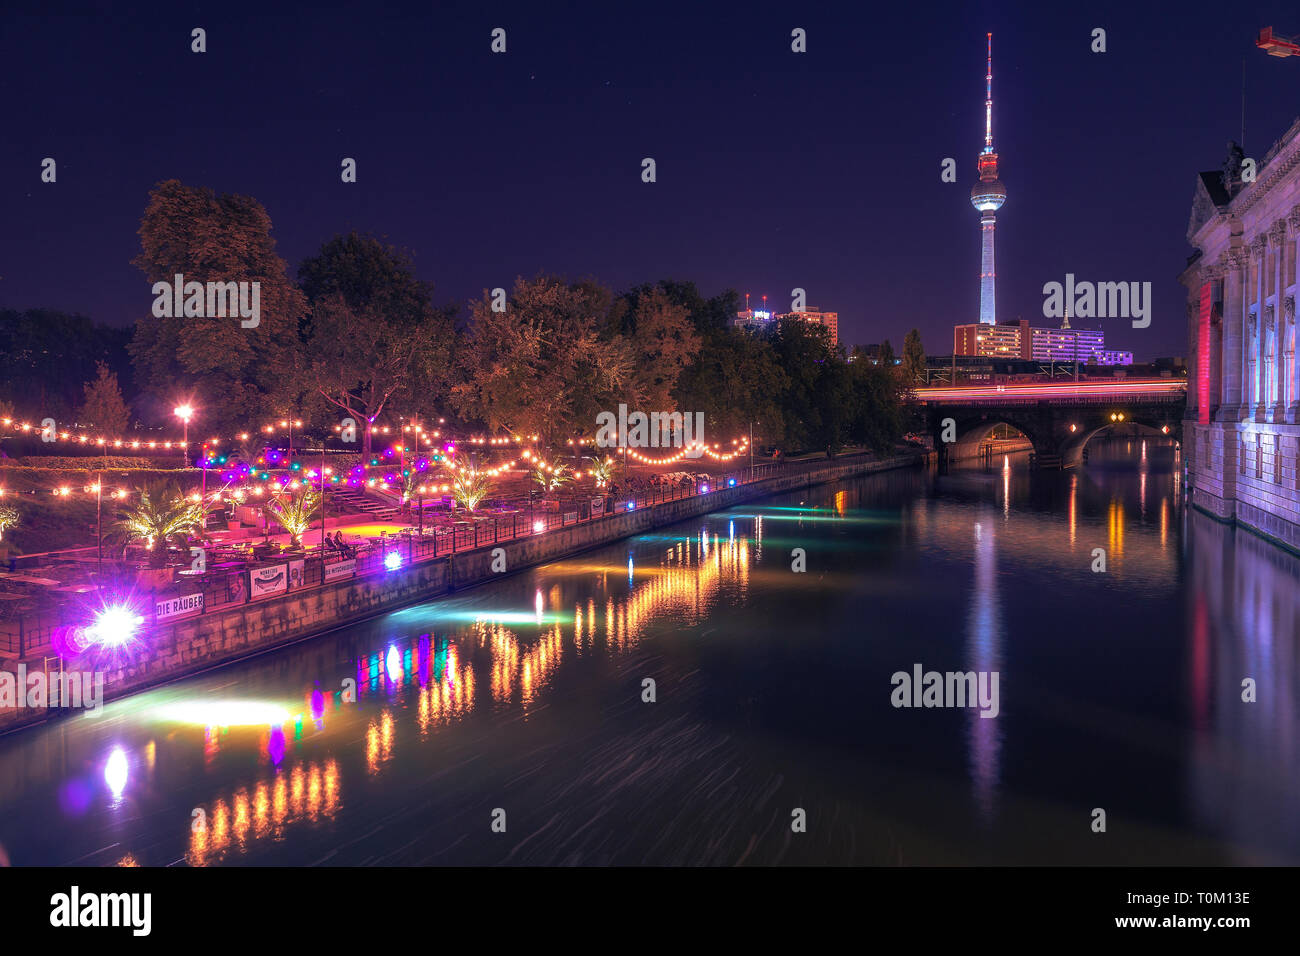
[{"x": 32, "y": 600}]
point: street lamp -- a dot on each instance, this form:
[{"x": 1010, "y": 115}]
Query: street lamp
[
  {"x": 289, "y": 424},
  {"x": 184, "y": 413},
  {"x": 98, "y": 488},
  {"x": 322, "y": 508}
]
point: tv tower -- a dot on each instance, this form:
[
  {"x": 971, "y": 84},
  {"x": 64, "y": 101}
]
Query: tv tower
[{"x": 987, "y": 196}]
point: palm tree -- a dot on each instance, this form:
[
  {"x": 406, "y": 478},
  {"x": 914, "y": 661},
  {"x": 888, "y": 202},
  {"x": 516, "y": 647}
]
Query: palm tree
[
  {"x": 604, "y": 470},
  {"x": 9, "y": 517},
  {"x": 552, "y": 479},
  {"x": 469, "y": 486},
  {"x": 161, "y": 516},
  {"x": 295, "y": 513}
]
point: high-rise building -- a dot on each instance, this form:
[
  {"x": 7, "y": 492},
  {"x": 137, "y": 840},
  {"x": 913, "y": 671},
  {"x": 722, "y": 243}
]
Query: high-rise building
[
  {"x": 987, "y": 196},
  {"x": 755, "y": 320},
  {"x": 1016, "y": 339},
  {"x": 1008, "y": 340},
  {"x": 831, "y": 320},
  {"x": 1067, "y": 345}
]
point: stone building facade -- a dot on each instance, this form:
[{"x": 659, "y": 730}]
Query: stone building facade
[{"x": 1242, "y": 433}]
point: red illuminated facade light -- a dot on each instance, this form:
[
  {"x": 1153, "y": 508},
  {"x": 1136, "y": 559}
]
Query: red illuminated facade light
[{"x": 1275, "y": 45}]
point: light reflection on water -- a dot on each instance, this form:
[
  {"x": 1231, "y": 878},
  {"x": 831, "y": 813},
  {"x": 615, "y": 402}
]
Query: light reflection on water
[{"x": 1119, "y": 689}]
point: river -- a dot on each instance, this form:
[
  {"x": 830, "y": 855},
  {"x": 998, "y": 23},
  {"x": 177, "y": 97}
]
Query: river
[{"x": 689, "y": 697}]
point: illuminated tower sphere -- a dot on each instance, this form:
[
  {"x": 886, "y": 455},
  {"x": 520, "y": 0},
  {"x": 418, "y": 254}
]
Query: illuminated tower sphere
[{"x": 987, "y": 196}]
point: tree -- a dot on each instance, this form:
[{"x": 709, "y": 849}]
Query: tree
[
  {"x": 104, "y": 407},
  {"x": 876, "y": 412},
  {"x": 469, "y": 487},
  {"x": 294, "y": 513},
  {"x": 46, "y": 356},
  {"x": 913, "y": 358},
  {"x": 541, "y": 367},
  {"x": 551, "y": 479},
  {"x": 735, "y": 380},
  {"x": 709, "y": 317},
  {"x": 663, "y": 343},
  {"x": 373, "y": 326},
  {"x": 814, "y": 388},
  {"x": 605, "y": 470},
  {"x": 9, "y": 518},
  {"x": 886, "y": 359},
  {"x": 663, "y": 340},
  {"x": 162, "y": 516},
  {"x": 233, "y": 372}
]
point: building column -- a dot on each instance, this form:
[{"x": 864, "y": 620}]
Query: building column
[
  {"x": 1210, "y": 276},
  {"x": 1293, "y": 387},
  {"x": 1233, "y": 324},
  {"x": 1277, "y": 398},
  {"x": 1259, "y": 259}
]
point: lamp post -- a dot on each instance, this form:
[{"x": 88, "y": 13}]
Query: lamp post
[
  {"x": 99, "y": 523},
  {"x": 290, "y": 424},
  {"x": 322, "y": 507},
  {"x": 184, "y": 413}
]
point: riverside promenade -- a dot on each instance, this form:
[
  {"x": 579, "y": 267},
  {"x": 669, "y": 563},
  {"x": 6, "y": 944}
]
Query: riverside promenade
[{"x": 166, "y": 650}]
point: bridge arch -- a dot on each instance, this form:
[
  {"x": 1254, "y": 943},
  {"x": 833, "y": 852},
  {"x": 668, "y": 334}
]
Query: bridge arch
[
  {"x": 1072, "y": 448},
  {"x": 1057, "y": 420},
  {"x": 972, "y": 433}
]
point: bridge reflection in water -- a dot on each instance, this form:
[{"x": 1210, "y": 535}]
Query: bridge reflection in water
[{"x": 391, "y": 742}]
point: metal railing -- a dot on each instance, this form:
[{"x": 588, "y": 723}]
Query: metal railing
[{"x": 226, "y": 588}]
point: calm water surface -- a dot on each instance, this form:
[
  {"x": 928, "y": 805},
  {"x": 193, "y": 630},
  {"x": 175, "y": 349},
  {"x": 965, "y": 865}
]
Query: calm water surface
[{"x": 1118, "y": 690}]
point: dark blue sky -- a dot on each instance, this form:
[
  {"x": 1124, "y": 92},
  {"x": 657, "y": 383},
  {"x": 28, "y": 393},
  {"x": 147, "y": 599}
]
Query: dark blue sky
[{"x": 775, "y": 170}]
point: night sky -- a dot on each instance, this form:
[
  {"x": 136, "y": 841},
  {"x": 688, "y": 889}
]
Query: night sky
[{"x": 775, "y": 169}]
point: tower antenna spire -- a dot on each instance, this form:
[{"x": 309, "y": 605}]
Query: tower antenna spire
[{"x": 988, "y": 101}]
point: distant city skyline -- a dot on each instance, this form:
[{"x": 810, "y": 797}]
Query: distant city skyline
[{"x": 776, "y": 170}]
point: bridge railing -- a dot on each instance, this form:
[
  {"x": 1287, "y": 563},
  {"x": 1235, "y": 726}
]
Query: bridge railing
[{"x": 1114, "y": 398}]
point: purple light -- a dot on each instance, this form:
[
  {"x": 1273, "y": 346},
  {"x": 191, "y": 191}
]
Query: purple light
[
  {"x": 275, "y": 745},
  {"x": 116, "y": 626}
]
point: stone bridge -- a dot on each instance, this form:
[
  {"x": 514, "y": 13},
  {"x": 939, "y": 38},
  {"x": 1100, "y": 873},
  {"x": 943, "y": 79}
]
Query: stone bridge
[{"x": 1058, "y": 420}]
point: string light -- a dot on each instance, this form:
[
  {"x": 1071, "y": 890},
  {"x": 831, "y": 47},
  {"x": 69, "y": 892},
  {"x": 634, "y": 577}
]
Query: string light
[{"x": 105, "y": 440}]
